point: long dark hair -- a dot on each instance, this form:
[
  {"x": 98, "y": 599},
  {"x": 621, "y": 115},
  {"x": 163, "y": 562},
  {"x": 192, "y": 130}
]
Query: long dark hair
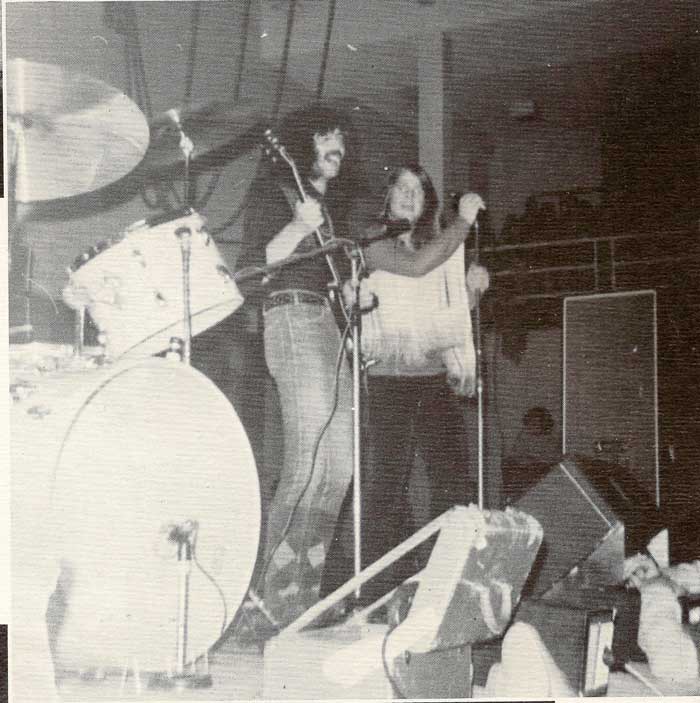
[
  {"x": 425, "y": 228},
  {"x": 297, "y": 129}
]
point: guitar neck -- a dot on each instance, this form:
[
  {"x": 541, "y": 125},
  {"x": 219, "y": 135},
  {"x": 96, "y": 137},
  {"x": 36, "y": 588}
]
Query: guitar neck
[{"x": 320, "y": 238}]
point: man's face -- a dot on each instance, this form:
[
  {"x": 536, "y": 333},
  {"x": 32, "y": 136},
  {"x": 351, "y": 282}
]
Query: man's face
[{"x": 330, "y": 150}]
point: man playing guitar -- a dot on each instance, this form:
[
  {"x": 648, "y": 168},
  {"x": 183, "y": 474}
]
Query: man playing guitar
[{"x": 289, "y": 214}]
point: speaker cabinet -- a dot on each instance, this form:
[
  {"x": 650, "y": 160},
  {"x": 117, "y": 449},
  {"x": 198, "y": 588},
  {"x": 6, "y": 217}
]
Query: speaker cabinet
[
  {"x": 576, "y": 520},
  {"x": 610, "y": 407}
]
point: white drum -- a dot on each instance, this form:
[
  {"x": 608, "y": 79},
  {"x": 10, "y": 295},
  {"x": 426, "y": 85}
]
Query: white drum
[
  {"x": 106, "y": 463},
  {"x": 134, "y": 288}
]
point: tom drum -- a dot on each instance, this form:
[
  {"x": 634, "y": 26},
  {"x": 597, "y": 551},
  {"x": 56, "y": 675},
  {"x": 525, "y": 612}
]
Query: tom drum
[{"x": 133, "y": 289}]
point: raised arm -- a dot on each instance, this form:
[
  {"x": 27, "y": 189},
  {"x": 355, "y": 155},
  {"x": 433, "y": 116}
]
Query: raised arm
[{"x": 388, "y": 255}]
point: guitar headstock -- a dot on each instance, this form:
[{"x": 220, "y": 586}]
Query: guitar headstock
[{"x": 273, "y": 148}]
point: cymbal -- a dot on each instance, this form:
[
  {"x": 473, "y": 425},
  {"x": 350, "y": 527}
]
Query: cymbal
[
  {"x": 72, "y": 134},
  {"x": 215, "y": 129}
]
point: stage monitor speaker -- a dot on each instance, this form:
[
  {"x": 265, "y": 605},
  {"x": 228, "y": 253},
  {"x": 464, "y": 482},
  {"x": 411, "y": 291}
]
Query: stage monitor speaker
[
  {"x": 610, "y": 382},
  {"x": 576, "y": 636},
  {"x": 577, "y": 520}
]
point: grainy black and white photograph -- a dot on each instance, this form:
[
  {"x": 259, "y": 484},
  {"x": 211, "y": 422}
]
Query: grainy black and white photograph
[{"x": 354, "y": 349}]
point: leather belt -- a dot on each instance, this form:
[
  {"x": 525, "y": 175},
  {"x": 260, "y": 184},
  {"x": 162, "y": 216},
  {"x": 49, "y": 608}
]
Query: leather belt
[{"x": 293, "y": 297}]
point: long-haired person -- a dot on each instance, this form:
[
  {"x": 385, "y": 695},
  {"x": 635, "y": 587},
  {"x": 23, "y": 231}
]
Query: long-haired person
[
  {"x": 418, "y": 340},
  {"x": 304, "y": 354}
]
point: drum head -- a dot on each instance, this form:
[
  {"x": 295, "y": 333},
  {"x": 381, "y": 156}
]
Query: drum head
[{"x": 152, "y": 446}]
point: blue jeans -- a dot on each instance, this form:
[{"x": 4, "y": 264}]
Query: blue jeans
[{"x": 302, "y": 343}]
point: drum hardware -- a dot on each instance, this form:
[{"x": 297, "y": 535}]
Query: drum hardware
[
  {"x": 185, "y": 536},
  {"x": 229, "y": 128},
  {"x": 174, "y": 352},
  {"x": 79, "y": 330},
  {"x": 224, "y": 271},
  {"x": 184, "y": 234},
  {"x": 186, "y": 146}
]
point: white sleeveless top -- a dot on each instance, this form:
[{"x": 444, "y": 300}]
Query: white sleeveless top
[{"x": 422, "y": 325}]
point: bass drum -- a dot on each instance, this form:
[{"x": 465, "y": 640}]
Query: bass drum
[{"x": 106, "y": 464}]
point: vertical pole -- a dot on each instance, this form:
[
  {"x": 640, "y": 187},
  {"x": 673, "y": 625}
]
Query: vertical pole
[
  {"x": 479, "y": 379},
  {"x": 356, "y": 420},
  {"x": 183, "y": 559},
  {"x": 79, "y": 331},
  {"x": 185, "y": 235}
]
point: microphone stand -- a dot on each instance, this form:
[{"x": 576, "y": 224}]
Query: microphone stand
[
  {"x": 479, "y": 379},
  {"x": 185, "y": 236},
  {"x": 356, "y": 333}
]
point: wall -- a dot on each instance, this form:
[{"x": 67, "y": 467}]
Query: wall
[
  {"x": 526, "y": 132},
  {"x": 532, "y": 157}
]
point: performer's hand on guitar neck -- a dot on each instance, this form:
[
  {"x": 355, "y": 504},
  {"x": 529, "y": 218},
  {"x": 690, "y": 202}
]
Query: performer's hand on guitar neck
[
  {"x": 308, "y": 215},
  {"x": 469, "y": 206}
]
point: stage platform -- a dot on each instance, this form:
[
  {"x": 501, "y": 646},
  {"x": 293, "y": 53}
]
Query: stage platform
[{"x": 238, "y": 676}]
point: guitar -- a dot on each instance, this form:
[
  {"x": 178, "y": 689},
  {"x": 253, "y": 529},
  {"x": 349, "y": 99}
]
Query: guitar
[{"x": 275, "y": 148}]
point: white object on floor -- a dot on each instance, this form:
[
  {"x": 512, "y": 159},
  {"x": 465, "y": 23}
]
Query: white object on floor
[
  {"x": 527, "y": 669},
  {"x": 671, "y": 652}
]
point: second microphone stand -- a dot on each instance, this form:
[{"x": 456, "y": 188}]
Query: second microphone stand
[
  {"x": 356, "y": 336},
  {"x": 479, "y": 379}
]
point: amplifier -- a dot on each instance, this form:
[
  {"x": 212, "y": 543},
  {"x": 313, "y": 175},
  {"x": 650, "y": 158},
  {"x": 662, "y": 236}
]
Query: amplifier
[{"x": 575, "y": 635}]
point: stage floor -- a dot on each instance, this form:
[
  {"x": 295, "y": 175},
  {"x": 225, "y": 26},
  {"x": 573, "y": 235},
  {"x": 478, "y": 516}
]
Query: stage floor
[{"x": 238, "y": 675}]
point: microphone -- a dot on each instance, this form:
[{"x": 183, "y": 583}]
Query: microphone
[{"x": 174, "y": 116}]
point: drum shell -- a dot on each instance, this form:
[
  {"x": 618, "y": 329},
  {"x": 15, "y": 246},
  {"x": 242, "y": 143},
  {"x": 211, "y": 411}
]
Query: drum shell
[
  {"x": 104, "y": 464},
  {"x": 136, "y": 287}
]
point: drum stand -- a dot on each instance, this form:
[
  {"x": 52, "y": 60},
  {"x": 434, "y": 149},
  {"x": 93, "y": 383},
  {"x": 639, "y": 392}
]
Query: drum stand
[
  {"x": 184, "y": 234},
  {"x": 184, "y": 535},
  {"x": 79, "y": 330}
]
